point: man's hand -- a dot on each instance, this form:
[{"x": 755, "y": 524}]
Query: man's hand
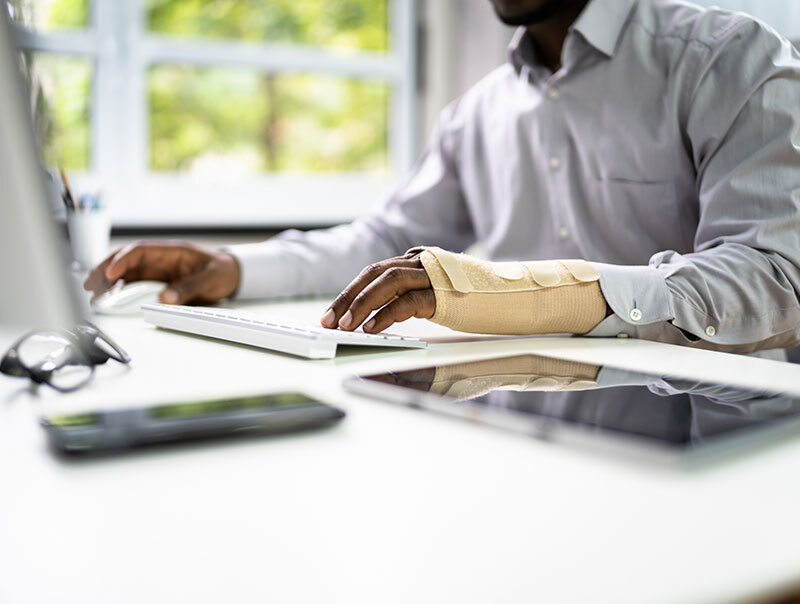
[
  {"x": 399, "y": 287},
  {"x": 194, "y": 274}
]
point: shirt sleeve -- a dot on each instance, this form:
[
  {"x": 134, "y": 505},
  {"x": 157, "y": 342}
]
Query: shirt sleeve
[
  {"x": 741, "y": 284},
  {"x": 428, "y": 209}
]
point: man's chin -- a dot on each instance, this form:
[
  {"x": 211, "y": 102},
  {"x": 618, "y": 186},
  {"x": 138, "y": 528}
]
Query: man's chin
[{"x": 529, "y": 12}]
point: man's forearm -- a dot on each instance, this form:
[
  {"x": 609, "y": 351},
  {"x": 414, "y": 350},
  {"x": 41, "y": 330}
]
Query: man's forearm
[
  {"x": 555, "y": 296},
  {"x": 317, "y": 262}
]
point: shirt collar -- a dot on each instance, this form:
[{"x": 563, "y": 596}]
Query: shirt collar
[
  {"x": 601, "y": 23},
  {"x": 519, "y": 50}
]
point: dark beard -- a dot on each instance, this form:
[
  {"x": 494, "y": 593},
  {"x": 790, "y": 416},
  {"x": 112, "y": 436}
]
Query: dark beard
[{"x": 541, "y": 14}]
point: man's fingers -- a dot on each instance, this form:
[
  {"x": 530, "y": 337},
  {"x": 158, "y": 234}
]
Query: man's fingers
[
  {"x": 393, "y": 283},
  {"x": 186, "y": 290},
  {"x": 420, "y": 303},
  {"x": 342, "y": 302},
  {"x": 97, "y": 282},
  {"x": 157, "y": 260},
  {"x": 125, "y": 261},
  {"x": 420, "y": 379}
]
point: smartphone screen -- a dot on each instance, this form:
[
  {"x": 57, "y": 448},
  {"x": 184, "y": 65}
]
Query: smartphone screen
[{"x": 121, "y": 429}]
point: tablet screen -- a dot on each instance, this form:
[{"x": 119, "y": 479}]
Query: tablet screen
[{"x": 541, "y": 395}]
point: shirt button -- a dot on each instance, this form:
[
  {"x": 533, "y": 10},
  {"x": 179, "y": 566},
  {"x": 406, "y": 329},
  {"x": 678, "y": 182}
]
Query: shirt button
[
  {"x": 635, "y": 314},
  {"x": 563, "y": 232},
  {"x": 553, "y": 94},
  {"x": 555, "y": 163},
  {"x": 710, "y": 331}
]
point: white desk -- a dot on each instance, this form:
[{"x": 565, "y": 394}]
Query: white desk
[{"x": 393, "y": 505}]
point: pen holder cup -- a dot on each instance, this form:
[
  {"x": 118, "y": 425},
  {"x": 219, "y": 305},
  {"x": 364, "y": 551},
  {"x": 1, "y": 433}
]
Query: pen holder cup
[{"x": 89, "y": 236}]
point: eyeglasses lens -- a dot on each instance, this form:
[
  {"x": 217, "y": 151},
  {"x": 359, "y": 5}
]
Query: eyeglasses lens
[{"x": 55, "y": 359}]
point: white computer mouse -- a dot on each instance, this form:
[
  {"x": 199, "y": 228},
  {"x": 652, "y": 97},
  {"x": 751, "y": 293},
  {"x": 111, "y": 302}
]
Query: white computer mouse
[{"x": 127, "y": 299}]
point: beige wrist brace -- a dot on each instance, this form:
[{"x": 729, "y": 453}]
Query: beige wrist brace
[
  {"x": 550, "y": 296},
  {"x": 522, "y": 373}
]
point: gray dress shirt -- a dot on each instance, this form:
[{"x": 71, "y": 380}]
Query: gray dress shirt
[{"x": 665, "y": 150}]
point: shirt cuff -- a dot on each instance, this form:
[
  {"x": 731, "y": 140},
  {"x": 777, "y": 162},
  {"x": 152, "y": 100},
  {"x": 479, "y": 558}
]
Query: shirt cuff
[
  {"x": 638, "y": 295},
  {"x": 262, "y": 273}
]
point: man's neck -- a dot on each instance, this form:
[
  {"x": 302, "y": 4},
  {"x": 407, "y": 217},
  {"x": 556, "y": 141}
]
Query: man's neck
[{"x": 548, "y": 36}]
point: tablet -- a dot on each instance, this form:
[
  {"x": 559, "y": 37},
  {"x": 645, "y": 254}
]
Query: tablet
[{"x": 643, "y": 416}]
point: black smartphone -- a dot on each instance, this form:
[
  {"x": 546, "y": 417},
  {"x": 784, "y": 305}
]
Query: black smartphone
[{"x": 117, "y": 430}]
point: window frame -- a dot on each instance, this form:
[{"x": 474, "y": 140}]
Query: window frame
[{"x": 121, "y": 50}]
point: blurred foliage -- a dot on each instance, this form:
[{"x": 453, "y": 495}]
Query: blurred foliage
[
  {"x": 60, "y": 101},
  {"x": 44, "y": 15},
  {"x": 60, "y": 86},
  {"x": 351, "y": 24},
  {"x": 229, "y": 121},
  {"x": 67, "y": 86},
  {"x": 238, "y": 121}
]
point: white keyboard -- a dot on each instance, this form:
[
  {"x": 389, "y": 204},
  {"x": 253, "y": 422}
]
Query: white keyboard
[{"x": 302, "y": 339}]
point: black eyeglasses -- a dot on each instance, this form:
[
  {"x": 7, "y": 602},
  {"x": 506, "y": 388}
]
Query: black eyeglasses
[{"x": 64, "y": 360}]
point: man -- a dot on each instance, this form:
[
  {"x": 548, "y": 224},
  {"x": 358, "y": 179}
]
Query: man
[{"x": 654, "y": 139}]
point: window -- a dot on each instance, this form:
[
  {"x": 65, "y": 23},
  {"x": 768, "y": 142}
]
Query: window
[{"x": 224, "y": 112}]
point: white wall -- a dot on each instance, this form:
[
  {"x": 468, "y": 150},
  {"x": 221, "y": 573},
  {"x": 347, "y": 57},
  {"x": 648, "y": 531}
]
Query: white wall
[{"x": 464, "y": 40}]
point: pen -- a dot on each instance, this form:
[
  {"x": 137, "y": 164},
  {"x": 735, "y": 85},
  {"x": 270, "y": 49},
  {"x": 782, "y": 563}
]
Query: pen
[
  {"x": 61, "y": 194},
  {"x": 67, "y": 192}
]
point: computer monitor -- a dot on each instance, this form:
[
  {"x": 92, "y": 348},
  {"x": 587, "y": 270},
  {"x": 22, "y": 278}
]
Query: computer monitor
[{"x": 36, "y": 289}]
